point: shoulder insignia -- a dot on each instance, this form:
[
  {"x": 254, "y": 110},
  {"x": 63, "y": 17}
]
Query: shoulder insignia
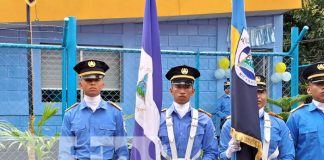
[
  {"x": 300, "y": 106},
  {"x": 203, "y": 111},
  {"x": 164, "y": 109},
  {"x": 228, "y": 117},
  {"x": 275, "y": 115},
  {"x": 74, "y": 105},
  {"x": 115, "y": 105}
]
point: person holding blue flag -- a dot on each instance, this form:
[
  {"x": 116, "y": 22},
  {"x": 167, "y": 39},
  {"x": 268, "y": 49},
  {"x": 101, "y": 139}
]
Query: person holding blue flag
[
  {"x": 94, "y": 128},
  {"x": 306, "y": 122},
  {"x": 185, "y": 131},
  {"x": 277, "y": 142}
]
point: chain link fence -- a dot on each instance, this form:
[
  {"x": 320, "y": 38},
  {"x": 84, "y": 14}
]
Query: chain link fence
[
  {"x": 27, "y": 85},
  {"x": 24, "y": 91},
  {"x": 265, "y": 65}
]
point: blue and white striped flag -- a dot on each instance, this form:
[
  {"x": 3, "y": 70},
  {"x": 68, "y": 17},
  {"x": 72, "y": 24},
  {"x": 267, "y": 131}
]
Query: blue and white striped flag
[{"x": 149, "y": 90}]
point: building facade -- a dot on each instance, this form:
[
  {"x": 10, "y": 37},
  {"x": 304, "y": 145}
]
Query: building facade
[{"x": 180, "y": 29}]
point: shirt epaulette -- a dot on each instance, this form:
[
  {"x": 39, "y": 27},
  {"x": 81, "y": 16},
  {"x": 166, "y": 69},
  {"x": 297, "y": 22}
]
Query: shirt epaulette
[
  {"x": 164, "y": 109},
  {"x": 228, "y": 117},
  {"x": 275, "y": 115},
  {"x": 74, "y": 105},
  {"x": 203, "y": 111},
  {"x": 300, "y": 106},
  {"x": 115, "y": 105}
]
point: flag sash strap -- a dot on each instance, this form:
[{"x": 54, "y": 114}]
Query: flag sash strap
[
  {"x": 267, "y": 136},
  {"x": 192, "y": 134}
]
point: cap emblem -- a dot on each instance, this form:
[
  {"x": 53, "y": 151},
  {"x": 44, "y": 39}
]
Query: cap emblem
[
  {"x": 258, "y": 79},
  {"x": 91, "y": 64},
  {"x": 184, "y": 71},
  {"x": 320, "y": 66}
]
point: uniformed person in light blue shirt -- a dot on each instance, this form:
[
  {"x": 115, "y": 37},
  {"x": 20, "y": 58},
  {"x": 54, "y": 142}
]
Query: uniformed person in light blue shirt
[
  {"x": 94, "y": 128},
  {"x": 223, "y": 107},
  {"x": 184, "y": 131},
  {"x": 306, "y": 122},
  {"x": 276, "y": 139}
]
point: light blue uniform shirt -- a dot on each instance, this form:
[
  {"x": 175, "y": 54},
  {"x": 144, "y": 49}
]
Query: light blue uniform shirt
[
  {"x": 221, "y": 111},
  {"x": 204, "y": 139},
  {"x": 280, "y": 137},
  {"x": 93, "y": 135},
  {"x": 307, "y": 129},
  {"x": 223, "y": 107}
]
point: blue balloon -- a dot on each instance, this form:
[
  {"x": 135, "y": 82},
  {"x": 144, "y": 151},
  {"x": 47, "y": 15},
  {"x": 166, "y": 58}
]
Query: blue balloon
[
  {"x": 276, "y": 77},
  {"x": 286, "y": 76},
  {"x": 219, "y": 73},
  {"x": 228, "y": 73}
]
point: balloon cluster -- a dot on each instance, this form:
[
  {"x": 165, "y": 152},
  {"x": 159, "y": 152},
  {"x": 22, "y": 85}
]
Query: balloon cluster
[
  {"x": 280, "y": 73},
  {"x": 223, "y": 71}
]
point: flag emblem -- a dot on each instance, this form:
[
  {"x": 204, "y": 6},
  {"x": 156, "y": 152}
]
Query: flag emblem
[
  {"x": 243, "y": 60},
  {"x": 141, "y": 87}
]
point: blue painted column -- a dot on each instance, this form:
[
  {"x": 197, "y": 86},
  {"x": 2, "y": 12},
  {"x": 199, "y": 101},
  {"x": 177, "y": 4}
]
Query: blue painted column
[
  {"x": 71, "y": 61},
  {"x": 294, "y": 62},
  {"x": 197, "y": 81},
  {"x": 275, "y": 90},
  {"x": 68, "y": 62},
  {"x": 294, "y": 52}
]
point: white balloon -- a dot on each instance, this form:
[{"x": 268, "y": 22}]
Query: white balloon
[
  {"x": 219, "y": 74},
  {"x": 276, "y": 77},
  {"x": 227, "y": 73},
  {"x": 286, "y": 76}
]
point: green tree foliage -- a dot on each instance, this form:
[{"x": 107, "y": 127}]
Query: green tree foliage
[
  {"x": 37, "y": 145},
  {"x": 285, "y": 103},
  {"x": 312, "y": 15}
]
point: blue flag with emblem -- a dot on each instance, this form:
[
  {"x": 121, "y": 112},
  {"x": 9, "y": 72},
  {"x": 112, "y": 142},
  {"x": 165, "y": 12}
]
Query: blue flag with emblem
[
  {"x": 245, "y": 115},
  {"x": 148, "y": 90}
]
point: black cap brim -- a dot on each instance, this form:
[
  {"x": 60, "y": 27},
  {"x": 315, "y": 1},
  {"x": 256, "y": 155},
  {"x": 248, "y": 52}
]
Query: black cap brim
[
  {"x": 317, "y": 80},
  {"x": 184, "y": 81},
  {"x": 261, "y": 87},
  {"x": 92, "y": 76}
]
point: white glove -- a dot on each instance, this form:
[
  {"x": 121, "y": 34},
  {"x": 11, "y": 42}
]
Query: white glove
[{"x": 233, "y": 146}]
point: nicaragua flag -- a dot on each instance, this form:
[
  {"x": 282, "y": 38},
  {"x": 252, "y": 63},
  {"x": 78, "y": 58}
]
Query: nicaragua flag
[
  {"x": 149, "y": 90},
  {"x": 245, "y": 115}
]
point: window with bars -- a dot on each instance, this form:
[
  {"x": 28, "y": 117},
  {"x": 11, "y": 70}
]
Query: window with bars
[{"x": 51, "y": 74}]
